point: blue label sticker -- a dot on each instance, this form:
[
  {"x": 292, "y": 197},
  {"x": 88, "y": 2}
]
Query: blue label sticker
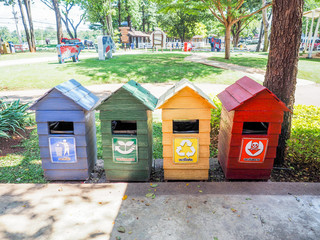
[{"x": 62, "y": 149}]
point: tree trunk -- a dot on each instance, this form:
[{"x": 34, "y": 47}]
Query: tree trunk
[
  {"x": 65, "y": 21},
  {"x": 260, "y": 37},
  {"x": 56, "y": 8},
  {"x": 32, "y": 38},
  {"x": 143, "y": 20},
  {"x": 265, "y": 28},
  {"x": 227, "y": 42},
  {"x": 119, "y": 11},
  {"x": 283, "y": 61},
  {"x": 25, "y": 24}
]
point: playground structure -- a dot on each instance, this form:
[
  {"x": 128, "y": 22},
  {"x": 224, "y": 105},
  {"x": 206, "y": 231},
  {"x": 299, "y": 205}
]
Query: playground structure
[
  {"x": 215, "y": 44},
  {"x": 70, "y": 48},
  {"x": 158, "y": 39},
  {"x": 105, "y": 47},
  {"x": 308, "y": 42}
]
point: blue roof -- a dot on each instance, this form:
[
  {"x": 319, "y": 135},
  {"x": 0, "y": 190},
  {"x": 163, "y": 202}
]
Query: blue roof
[{"x": 76, "y": 92}]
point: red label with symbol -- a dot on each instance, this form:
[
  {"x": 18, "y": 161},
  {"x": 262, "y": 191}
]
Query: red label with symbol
[{"x": 253, "y": 150}]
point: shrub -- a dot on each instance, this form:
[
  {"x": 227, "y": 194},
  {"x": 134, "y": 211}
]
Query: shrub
[
  {"x": 304, "y": 143},
  {"x": 13, "y": 116},
  {"x": 215, "y": 126}
]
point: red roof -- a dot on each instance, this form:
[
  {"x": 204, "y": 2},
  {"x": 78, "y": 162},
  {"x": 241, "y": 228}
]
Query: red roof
[{"x": 241, "y": 91}]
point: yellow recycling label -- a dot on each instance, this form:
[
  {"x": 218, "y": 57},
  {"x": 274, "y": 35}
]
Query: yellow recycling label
[{"x": 185, "y": 150}]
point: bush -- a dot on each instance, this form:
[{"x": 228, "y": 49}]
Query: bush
[
  {"x": 215, "y": 126},
  {"x": 13, "y": 116},
  {"x": 304, "y": 144}
]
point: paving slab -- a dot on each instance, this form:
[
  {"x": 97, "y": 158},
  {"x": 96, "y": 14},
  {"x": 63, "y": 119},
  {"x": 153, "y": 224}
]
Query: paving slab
[{"x": 179, "y": 210}]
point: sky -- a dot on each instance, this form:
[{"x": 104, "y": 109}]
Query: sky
[{"x": 42, "y": 16}]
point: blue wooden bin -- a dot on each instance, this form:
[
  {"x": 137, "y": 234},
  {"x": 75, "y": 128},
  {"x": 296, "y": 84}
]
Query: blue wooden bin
[{"x": 67, "y": 133}]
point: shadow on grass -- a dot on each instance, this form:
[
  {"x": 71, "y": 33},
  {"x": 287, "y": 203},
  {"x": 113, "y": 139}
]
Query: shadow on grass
[
  {"x": 253, "y": 62},
  {"x": 309, "y": 59},
  {"x": 145, "y": 68}
]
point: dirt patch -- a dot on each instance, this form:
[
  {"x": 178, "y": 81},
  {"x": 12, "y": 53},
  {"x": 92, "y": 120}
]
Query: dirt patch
[{"x": 11, "y": 145}]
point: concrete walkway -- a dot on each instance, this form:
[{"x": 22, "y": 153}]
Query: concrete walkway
[{"x": 180, "y": 210}]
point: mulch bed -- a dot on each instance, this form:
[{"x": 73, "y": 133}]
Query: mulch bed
[{"x": 9, "y": 145}]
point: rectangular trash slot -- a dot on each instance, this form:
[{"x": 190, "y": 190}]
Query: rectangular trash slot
[
  {"x": 124, "y": 127},
  {"x": 255, "y": 128},
  {"x": 185, "y": 126},
  {"x": 61, "y": 127}
]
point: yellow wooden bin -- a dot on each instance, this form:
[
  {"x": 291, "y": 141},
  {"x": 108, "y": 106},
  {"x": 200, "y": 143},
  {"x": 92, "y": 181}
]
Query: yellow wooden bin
[{"x": 186, "y": 114}]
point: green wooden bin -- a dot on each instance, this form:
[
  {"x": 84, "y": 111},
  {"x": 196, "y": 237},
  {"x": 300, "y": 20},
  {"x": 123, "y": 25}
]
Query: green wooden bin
[{"x": 126, "y": 130}]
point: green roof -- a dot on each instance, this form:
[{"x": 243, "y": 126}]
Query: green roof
[{"x": 139, "y": 92}]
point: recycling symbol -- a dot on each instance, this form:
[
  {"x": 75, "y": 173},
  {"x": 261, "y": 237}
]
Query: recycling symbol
[
  {"x": 127, "y": 147},
  {"x": 189, "y": 144}
]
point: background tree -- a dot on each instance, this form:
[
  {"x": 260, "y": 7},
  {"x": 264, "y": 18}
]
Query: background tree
[
  {"x": 56, "y": 9},
  {"x": 229, "y": 12},
  {"x": 27, "y": 4},
  {"x": 99, "y": 11},
  {"x": 281, "y": 75}
]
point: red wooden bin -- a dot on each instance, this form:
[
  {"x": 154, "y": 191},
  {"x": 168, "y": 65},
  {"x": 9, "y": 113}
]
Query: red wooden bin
[{"x": 251, "y": 119}]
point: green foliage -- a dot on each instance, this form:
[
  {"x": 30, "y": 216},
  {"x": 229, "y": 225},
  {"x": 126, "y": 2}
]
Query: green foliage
[
  {"x": 215, "y": 127},
  {"x": 23, "y": 167},
  {"x": 304, "y": 143},
  {"x": 157, "y": 140},
  {"x": 98, "y": 136},
  {"x": 13, "y": 116}
]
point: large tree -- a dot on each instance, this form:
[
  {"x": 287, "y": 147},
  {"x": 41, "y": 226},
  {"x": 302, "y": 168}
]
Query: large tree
[
  {"x": 282, "y": 68},
  {"x": 229, "y": 12},
  {"x": 56, "y": 8}
]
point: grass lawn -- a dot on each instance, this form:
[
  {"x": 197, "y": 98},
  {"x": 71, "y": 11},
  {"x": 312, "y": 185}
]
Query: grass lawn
[
  {"x": 144, "y": 68},
  {"x": 308, "y": 69}
]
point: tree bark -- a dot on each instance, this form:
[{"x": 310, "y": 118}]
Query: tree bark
[
  {"x": 119, "y": 13},
  {"x": 32, "y": 38},
  {"x": 260, "y": 37},
  {"x": 227, "y": 42},
  {"x": 25, "y": 24},
  {"x": 265, "y": 28},
  {"x": 283, "y": 61},
  {"x": 56, "y": 8}
]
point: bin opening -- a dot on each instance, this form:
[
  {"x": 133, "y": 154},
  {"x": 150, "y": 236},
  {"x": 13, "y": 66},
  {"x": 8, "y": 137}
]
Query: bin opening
[
  {"x": 260, "y": 128},
  {"x": 185, "y": 126},
  {"x": 124, "y": 127},
  {"x": 61, "y": 127}
]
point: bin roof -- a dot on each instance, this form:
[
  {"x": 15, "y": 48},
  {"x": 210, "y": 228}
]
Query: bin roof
[
  {"x": 139, "y": 92},
  {"x": 74, "y": 91},
  {"x": 241, "y": 91},
  {"x": 178, "y": 87}
]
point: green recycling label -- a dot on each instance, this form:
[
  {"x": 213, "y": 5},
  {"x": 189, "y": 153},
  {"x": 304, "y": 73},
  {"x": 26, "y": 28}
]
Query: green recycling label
[{"x": 125, "y": 150}]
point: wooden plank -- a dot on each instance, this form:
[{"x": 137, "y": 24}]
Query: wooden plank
[
  {"x": 142, "y": 140},
  {"x": 167, "y": 126},
  {"x": 261, "y": 104},
  {"x": 262, "y": 174},
  {"x": 134, "y": 176},
  {"x": 204, "y": 138},
  {"x": 67, "y": 116},
  {"x": 258, "y": 116},
  {"x": 80, "y": 151},
  {"x": 182, "y": 114},
  {"x": 170, "y": 174},
  {"x": 123, "y": 115},
  {"x": 204, "y": 151},
  {"x": 80, "y": 164},
  {"x": 58, "y": 104},
  {"x": 44, "y": 140},
  {"x": 274, "y": 128},
  {"x": 66, "y": 174},
  {"x": 79, "y": 128},
  {"x": 142, "y": 165},
  {"x": 203, "y": 163},
  {"x": 42, "y": 128},
  {"x": 234, "y": 163},
  {"x": 204, "y": 126},
  {"x": 237, "y": 139},
  {"x": 142, "y": 152},
  {"x": 142, "y": 127},
  {"x": 106, "y": 127}
]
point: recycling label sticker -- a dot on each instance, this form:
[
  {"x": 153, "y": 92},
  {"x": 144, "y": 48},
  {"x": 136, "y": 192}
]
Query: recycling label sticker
[
  {"x": 186, "y": 150},
  {"x": 253, "y": 150},
  {"x": 125, "y": 150}
]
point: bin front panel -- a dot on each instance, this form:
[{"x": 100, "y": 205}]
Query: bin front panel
[{"x": 125, "y": 150}]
